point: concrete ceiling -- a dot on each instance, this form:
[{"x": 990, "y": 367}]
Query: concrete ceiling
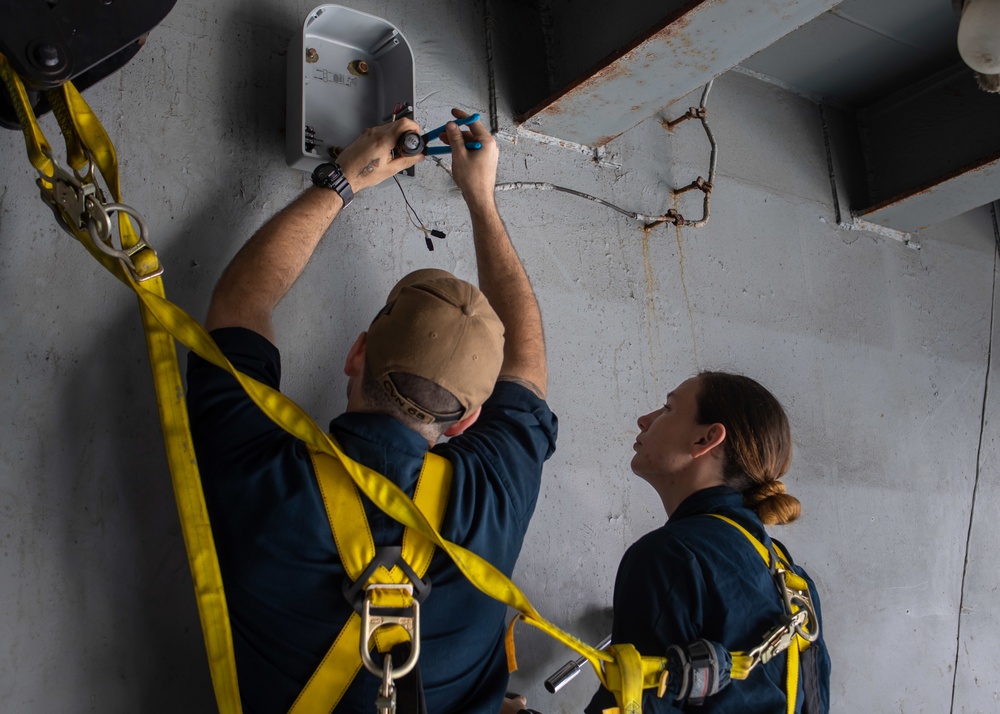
[
  {"x": 862, "y": 50},
  {"x": 913, "y": 136},
  {"x": 918, "y": 142}
]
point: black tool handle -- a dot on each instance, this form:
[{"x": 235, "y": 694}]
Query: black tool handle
[{"x": 410, "y": 144}]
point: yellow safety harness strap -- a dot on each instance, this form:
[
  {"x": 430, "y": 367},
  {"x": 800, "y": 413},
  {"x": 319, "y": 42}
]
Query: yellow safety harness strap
[
  {"x": 626, "y": 678},
  {"x": 37, "y": 146},
  {"x": 72, "y": 110},
  {"x": 431, "y": 497},
  {"x": 356, "y": 549},
  {"x": 162, "y": 319},
  {"x": 346, "y": 513},
  {"x": 89, "y": 135},
  {"x": 741, "y": 662},
  {"x": 792, "y": 674}
]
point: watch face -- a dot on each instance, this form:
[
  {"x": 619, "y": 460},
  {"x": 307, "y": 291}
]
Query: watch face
[
  {"x": 332, "y": 176},
  {"x": 323, "y": 172}
]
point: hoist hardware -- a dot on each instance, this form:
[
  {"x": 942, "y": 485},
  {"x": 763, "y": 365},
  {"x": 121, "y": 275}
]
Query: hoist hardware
[
  {"x": 779, "y": 639},
  {"x": 385, "y": 702},
  {"x": 80, "y": 204}
]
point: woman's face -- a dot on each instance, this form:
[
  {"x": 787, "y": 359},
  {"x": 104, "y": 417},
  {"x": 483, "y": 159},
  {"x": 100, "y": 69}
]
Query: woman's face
[{"x": 663, "y": 446}]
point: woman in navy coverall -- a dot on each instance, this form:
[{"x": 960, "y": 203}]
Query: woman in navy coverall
[{"x": 718, "y": 445}]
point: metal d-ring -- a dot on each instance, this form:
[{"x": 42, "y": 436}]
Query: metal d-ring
[
  {"x": 370, "y": 623},
  {"x": 99, "y": 228}
]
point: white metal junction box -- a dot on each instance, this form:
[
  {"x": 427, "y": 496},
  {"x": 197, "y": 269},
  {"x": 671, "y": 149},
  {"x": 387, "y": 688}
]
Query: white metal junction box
[{"x": 347, "y": 71}]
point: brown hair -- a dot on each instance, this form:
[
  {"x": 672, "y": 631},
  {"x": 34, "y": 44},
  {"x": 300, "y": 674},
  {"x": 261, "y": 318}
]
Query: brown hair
[{"x": 757, "y": 450}]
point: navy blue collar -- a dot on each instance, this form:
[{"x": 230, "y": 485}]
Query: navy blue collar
[
  {"x": 708, "y": 500},
  {"x": 725, "y": 501},
  {"x": 379, "y": 431}
]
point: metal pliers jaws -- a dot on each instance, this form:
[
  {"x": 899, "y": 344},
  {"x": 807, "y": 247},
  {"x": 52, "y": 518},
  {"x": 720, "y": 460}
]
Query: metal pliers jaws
[{"x": 80, "y": 205}]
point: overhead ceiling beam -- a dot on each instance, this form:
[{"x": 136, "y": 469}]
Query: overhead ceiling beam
[
  {"x": 945, "y": 198},
  {"x": 930, "y": 152},
  {"x": 683, "y": 52}
]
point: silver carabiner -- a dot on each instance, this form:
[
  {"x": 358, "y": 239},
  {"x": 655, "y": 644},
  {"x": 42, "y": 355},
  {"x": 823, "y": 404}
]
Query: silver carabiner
[
  {"x": 775, "y": 642},
  {"x": 67, "y": 196},
  {"x": 780, "y": 638},
  {"x": 99, "y": 228},
  {"x": 385, "y": 702},
  {"x": 804, "y": 600},
  {"x": 78, "y": 202},
  {"x": 808, "y": 620}
]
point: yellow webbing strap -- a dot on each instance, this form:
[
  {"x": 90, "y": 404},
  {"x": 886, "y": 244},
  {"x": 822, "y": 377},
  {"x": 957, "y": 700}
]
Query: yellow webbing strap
[
  {"x": 87, "y": 133},
  {"x": 741, "y": 669},
  {"x": 37, "y": 146},
  {"x": 162, "y": 319},
  {"x": 627, "y": 679},
  {"x": 356, "y": 549},
  {"x": 792, "y": 674}
]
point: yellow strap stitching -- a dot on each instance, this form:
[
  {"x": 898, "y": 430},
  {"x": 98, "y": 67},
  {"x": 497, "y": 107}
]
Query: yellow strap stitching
[
  {"x": 431, "y": 497},
  {"x": 323, "y": 691},
  {"x": 75, "y": 155},
  {"x": 346, "y": 514}
]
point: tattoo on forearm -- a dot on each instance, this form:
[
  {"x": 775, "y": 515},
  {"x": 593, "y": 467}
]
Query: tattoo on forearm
[
  {"x": 372, "y": 165},
  {"x": 523, "y": 382}
]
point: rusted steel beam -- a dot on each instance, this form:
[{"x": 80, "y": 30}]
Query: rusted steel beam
[
  {"x": 930, "y": 150},
  {"x": 939, "y": 200},
  {"x": 684, "y": 51}
]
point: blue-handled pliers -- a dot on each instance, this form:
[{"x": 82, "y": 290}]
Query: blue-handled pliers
[{"x": 436, "y": 133}]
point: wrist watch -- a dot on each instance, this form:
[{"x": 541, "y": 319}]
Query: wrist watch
[{"x": 330, "y": 175}]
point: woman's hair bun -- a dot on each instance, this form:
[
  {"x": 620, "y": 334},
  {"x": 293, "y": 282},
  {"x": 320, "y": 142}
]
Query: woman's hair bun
[
  {"x": 763, "y": 491},
  {"x": 772, "y": 505}
]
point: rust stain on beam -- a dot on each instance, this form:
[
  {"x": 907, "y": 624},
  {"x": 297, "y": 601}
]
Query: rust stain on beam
[{"x": 684, "y": 51}]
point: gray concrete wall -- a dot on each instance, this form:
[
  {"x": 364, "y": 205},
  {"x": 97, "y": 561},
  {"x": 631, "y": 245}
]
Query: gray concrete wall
[{"x": 879, "y": 352}]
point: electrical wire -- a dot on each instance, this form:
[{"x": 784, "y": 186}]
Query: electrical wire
[
  {"x": 411, "y": 215},
  {"x": 671, "y": 216},
  {"x": 542, "y": 186},
  {"x": 979, "y": 458}
]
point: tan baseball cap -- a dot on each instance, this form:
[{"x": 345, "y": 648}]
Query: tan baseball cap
[{"x": 442, "y": 329}]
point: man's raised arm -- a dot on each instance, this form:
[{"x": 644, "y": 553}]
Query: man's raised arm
[
  {"x": 273, "y": 259},
  {"x": 501, "y": 276}
]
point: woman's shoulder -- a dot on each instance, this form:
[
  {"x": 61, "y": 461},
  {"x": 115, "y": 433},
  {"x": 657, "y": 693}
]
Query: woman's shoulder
[
  {"x": 668, "y": 545},
  {"x": 694, "y": 537}
]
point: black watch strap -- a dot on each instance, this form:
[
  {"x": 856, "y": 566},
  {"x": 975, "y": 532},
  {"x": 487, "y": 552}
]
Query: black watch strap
[{"x": 331, "y": 176}]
